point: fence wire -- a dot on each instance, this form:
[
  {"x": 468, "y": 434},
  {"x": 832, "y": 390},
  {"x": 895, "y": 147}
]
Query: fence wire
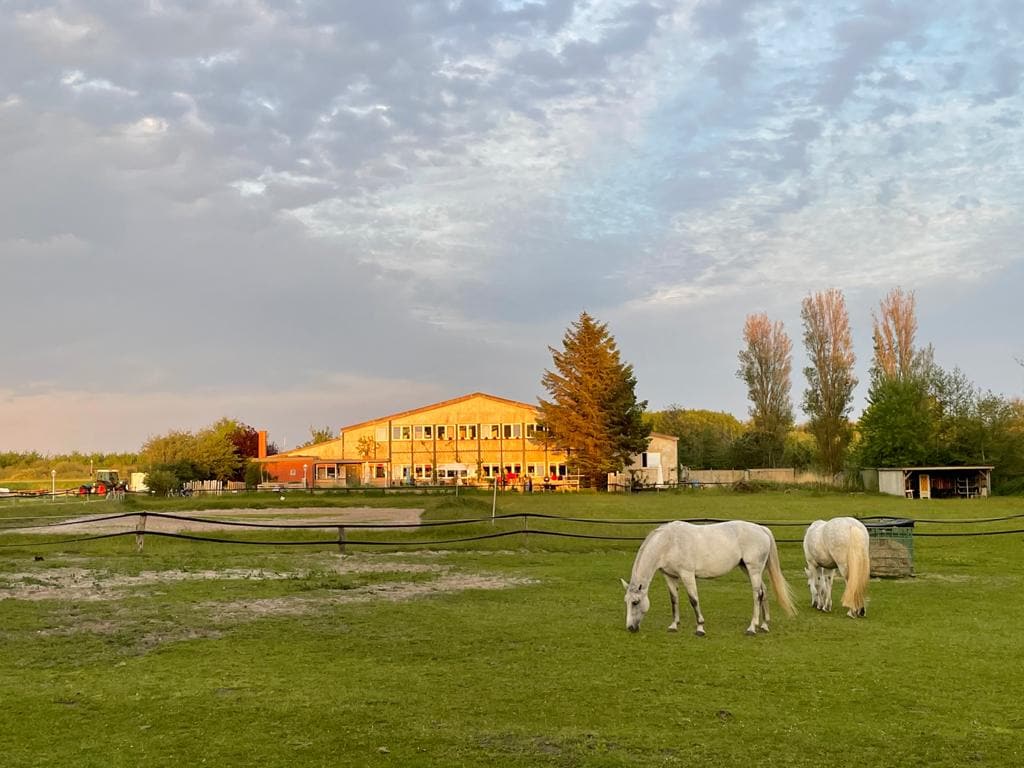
[{"x": 524, "y": 531}]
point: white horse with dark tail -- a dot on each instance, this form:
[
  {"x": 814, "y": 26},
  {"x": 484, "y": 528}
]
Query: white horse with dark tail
[
  {"x": 685, "y": 552},
  {"x": 841, "y": 544}
]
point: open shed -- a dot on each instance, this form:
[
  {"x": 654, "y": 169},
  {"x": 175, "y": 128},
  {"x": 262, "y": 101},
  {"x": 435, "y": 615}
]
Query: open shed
[{"x": 933, "y": 482}]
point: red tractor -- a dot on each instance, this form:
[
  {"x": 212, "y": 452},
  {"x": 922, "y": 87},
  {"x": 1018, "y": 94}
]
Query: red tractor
[{"x": 107, "y": 480}]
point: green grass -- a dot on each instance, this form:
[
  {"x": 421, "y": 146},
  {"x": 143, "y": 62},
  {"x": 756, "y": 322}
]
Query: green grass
[{"x": 543, "y": 673}]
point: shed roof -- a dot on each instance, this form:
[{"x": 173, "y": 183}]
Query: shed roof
[{"x": 932, "y": 469}]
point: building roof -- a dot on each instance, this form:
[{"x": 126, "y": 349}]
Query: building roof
[
  {"x": 932, "y": 469},
  {"x": 442, "y": 404}
]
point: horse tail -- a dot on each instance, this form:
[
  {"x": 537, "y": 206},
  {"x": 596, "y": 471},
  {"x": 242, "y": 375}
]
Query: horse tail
[
  {"x": 858, "y": 568},
  {"x": 783, "y": 592}
]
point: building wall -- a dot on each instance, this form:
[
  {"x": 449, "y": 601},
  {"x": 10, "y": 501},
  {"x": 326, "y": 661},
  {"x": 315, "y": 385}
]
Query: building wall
[
  {"x": 472, "y": 438},
  {"x": 891, "y": 481},
  {"x": 657, "y": 466}
]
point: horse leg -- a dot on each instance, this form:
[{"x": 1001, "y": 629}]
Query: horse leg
[
  {"x": 690, "y": 584},
  {"x": 757, "y": 587},
  {"x": 828, "y": 575},
  {"x": 765, "y": 614},
  {"x": 812, "y": 582},
  {"x": 819, "y": 587},
  {"x": 673, "y": 593}
]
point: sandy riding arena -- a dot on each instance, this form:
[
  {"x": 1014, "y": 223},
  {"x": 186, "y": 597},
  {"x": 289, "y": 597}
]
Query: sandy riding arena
[{"x": 328, "y": 517}]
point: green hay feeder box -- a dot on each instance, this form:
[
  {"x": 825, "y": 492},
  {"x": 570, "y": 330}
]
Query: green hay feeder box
[{"x": 892, "y": 546}]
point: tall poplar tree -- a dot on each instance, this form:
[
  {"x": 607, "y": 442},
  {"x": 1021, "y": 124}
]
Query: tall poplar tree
[
  {"x": 830, "y": 379},
  {"x": 593, "y": 413},
  {"x": 765, "y": 365},
  {"x": 899, "y": 426}
]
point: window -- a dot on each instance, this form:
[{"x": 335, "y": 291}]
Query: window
[
  {"x": 512, "y": 431},
  {"x": 401, "y": 433},
  {"x": 381, "y": 434},
  {"x": 443, "y": 432},
  {"x": 467, "y": 431},
  {"x": 451, "y": 473},
  {"x": 556, "y": 470},
  {"x": 327, "y": 471},
  {"x": 379, "y": 471},
  {"x": 531, "y": 431},
  {"x": 423, "y": 432},
  {"x": 534, "y": 469},
  {"x": 490, "y": 431},
  {"x": 650, "y": 459},
  {"x": 490, "y": 470},
  {"x": 424, "y": 472}
]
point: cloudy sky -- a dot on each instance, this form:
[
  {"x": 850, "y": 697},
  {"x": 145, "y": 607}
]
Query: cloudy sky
[{"x": 315, "y": 213}]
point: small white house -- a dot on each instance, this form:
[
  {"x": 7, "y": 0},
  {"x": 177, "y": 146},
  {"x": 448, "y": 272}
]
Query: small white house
[{"x": 657, "y": 467}]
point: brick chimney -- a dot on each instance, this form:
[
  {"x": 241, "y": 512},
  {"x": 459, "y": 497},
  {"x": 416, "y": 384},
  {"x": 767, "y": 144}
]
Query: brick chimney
[{"x": 261, "y": 450}]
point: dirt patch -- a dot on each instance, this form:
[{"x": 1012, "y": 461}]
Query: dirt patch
[
  {"x": 218, "y": 520},
  {"x": 87, "y": 585},
  {"x": 391, "y": 591}
]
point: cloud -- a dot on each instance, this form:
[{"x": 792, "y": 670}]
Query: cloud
[{"x": 262, "y": 198}]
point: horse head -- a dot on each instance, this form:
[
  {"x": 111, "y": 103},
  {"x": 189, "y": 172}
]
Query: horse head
[{"x": 637, "y": 604}]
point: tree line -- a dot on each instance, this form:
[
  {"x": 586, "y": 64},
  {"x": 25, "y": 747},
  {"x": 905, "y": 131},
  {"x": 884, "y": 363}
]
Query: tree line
[{"x": 917, "y": 414}]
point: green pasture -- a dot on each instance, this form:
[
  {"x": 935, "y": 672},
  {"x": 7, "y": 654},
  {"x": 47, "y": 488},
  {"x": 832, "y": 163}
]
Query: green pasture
[{"x": 509, "y": 651}]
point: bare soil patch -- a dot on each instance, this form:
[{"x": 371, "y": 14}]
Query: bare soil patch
[{"x": 82, "y": 584}]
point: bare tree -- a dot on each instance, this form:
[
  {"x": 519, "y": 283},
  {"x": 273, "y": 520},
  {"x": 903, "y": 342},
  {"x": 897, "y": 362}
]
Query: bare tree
[
  {"x": 765, "y": 366},
  {"x": 893, "y": 330},
  {"x": 830, "y": 379}
]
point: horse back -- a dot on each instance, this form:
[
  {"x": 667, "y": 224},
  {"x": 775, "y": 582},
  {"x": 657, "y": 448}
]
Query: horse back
[{"x": 714, "y": 549}]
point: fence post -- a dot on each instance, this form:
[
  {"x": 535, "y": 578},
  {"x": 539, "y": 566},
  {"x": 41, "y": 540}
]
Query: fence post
[
  {"x": 341, "y": 540},
  {"x": 140, "y": 531}
]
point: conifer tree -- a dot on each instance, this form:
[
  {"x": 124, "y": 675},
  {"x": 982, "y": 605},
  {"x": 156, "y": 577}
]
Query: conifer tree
[{"x": 593, "y": 413}]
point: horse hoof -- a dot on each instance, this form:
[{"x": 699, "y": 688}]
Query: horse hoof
[
  {"x": 764, "y": 628},
  {"x": 673, "y": 629},
  {"x": 751, "y": 632},
  {"x": 699, "y": 633}
]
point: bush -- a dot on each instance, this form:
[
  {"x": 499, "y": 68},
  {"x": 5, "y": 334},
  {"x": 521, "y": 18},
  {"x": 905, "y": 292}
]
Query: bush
[
  {"x": 253, "y": 474},
  {"x": 160, "y": 481}
]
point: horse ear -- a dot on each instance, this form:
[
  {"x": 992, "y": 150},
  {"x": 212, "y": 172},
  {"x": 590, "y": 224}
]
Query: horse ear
[{"x": 625, "y": 584}]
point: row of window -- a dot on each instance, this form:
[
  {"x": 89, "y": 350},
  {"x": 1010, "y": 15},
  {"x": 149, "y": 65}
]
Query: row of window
[
  {"x": 459, "y": 432},
  {"x": 514, "y": 470}
]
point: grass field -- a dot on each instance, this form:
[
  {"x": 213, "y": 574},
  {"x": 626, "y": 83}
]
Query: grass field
[{"x": 505, "y": 652}]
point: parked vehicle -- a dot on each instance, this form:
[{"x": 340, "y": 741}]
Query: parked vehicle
[{"x": 107, "y": 480}]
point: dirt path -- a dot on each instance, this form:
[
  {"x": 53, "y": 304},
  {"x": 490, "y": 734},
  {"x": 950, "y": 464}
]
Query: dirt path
[{"x": 328, "y": 517}]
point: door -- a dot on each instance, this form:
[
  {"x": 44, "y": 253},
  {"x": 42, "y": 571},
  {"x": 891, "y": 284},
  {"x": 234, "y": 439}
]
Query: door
[{"x": 924, "y": 487}]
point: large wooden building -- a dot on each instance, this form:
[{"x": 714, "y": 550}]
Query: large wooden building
[{"x": 473, "y": 439}]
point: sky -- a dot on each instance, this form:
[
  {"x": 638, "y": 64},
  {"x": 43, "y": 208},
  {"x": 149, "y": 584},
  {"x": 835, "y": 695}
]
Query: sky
[{"x": 310, "y": 214}]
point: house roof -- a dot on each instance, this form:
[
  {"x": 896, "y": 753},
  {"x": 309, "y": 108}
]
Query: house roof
[
  {"x": 442, "y": 404},
  {"x": 278, "y": 457}
]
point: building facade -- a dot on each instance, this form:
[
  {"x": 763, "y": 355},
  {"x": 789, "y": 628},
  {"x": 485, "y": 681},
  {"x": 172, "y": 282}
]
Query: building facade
[{"x": 477, "y": 438}]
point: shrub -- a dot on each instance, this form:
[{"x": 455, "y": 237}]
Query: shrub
[{"x": 160, "y": 481}]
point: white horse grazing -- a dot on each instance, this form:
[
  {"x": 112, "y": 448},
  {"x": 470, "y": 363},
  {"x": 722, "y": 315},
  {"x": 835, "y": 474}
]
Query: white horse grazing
[
  {"x": 842, "y": 543},
  {"x": 685, "y": 552}
]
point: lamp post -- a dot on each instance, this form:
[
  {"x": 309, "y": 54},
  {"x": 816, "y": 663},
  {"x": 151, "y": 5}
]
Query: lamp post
[{"x": 53, "y": 484}]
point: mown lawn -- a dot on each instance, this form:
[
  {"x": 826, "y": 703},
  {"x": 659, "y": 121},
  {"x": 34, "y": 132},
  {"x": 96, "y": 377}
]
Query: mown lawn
[{"x": 203, "y": 654}]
